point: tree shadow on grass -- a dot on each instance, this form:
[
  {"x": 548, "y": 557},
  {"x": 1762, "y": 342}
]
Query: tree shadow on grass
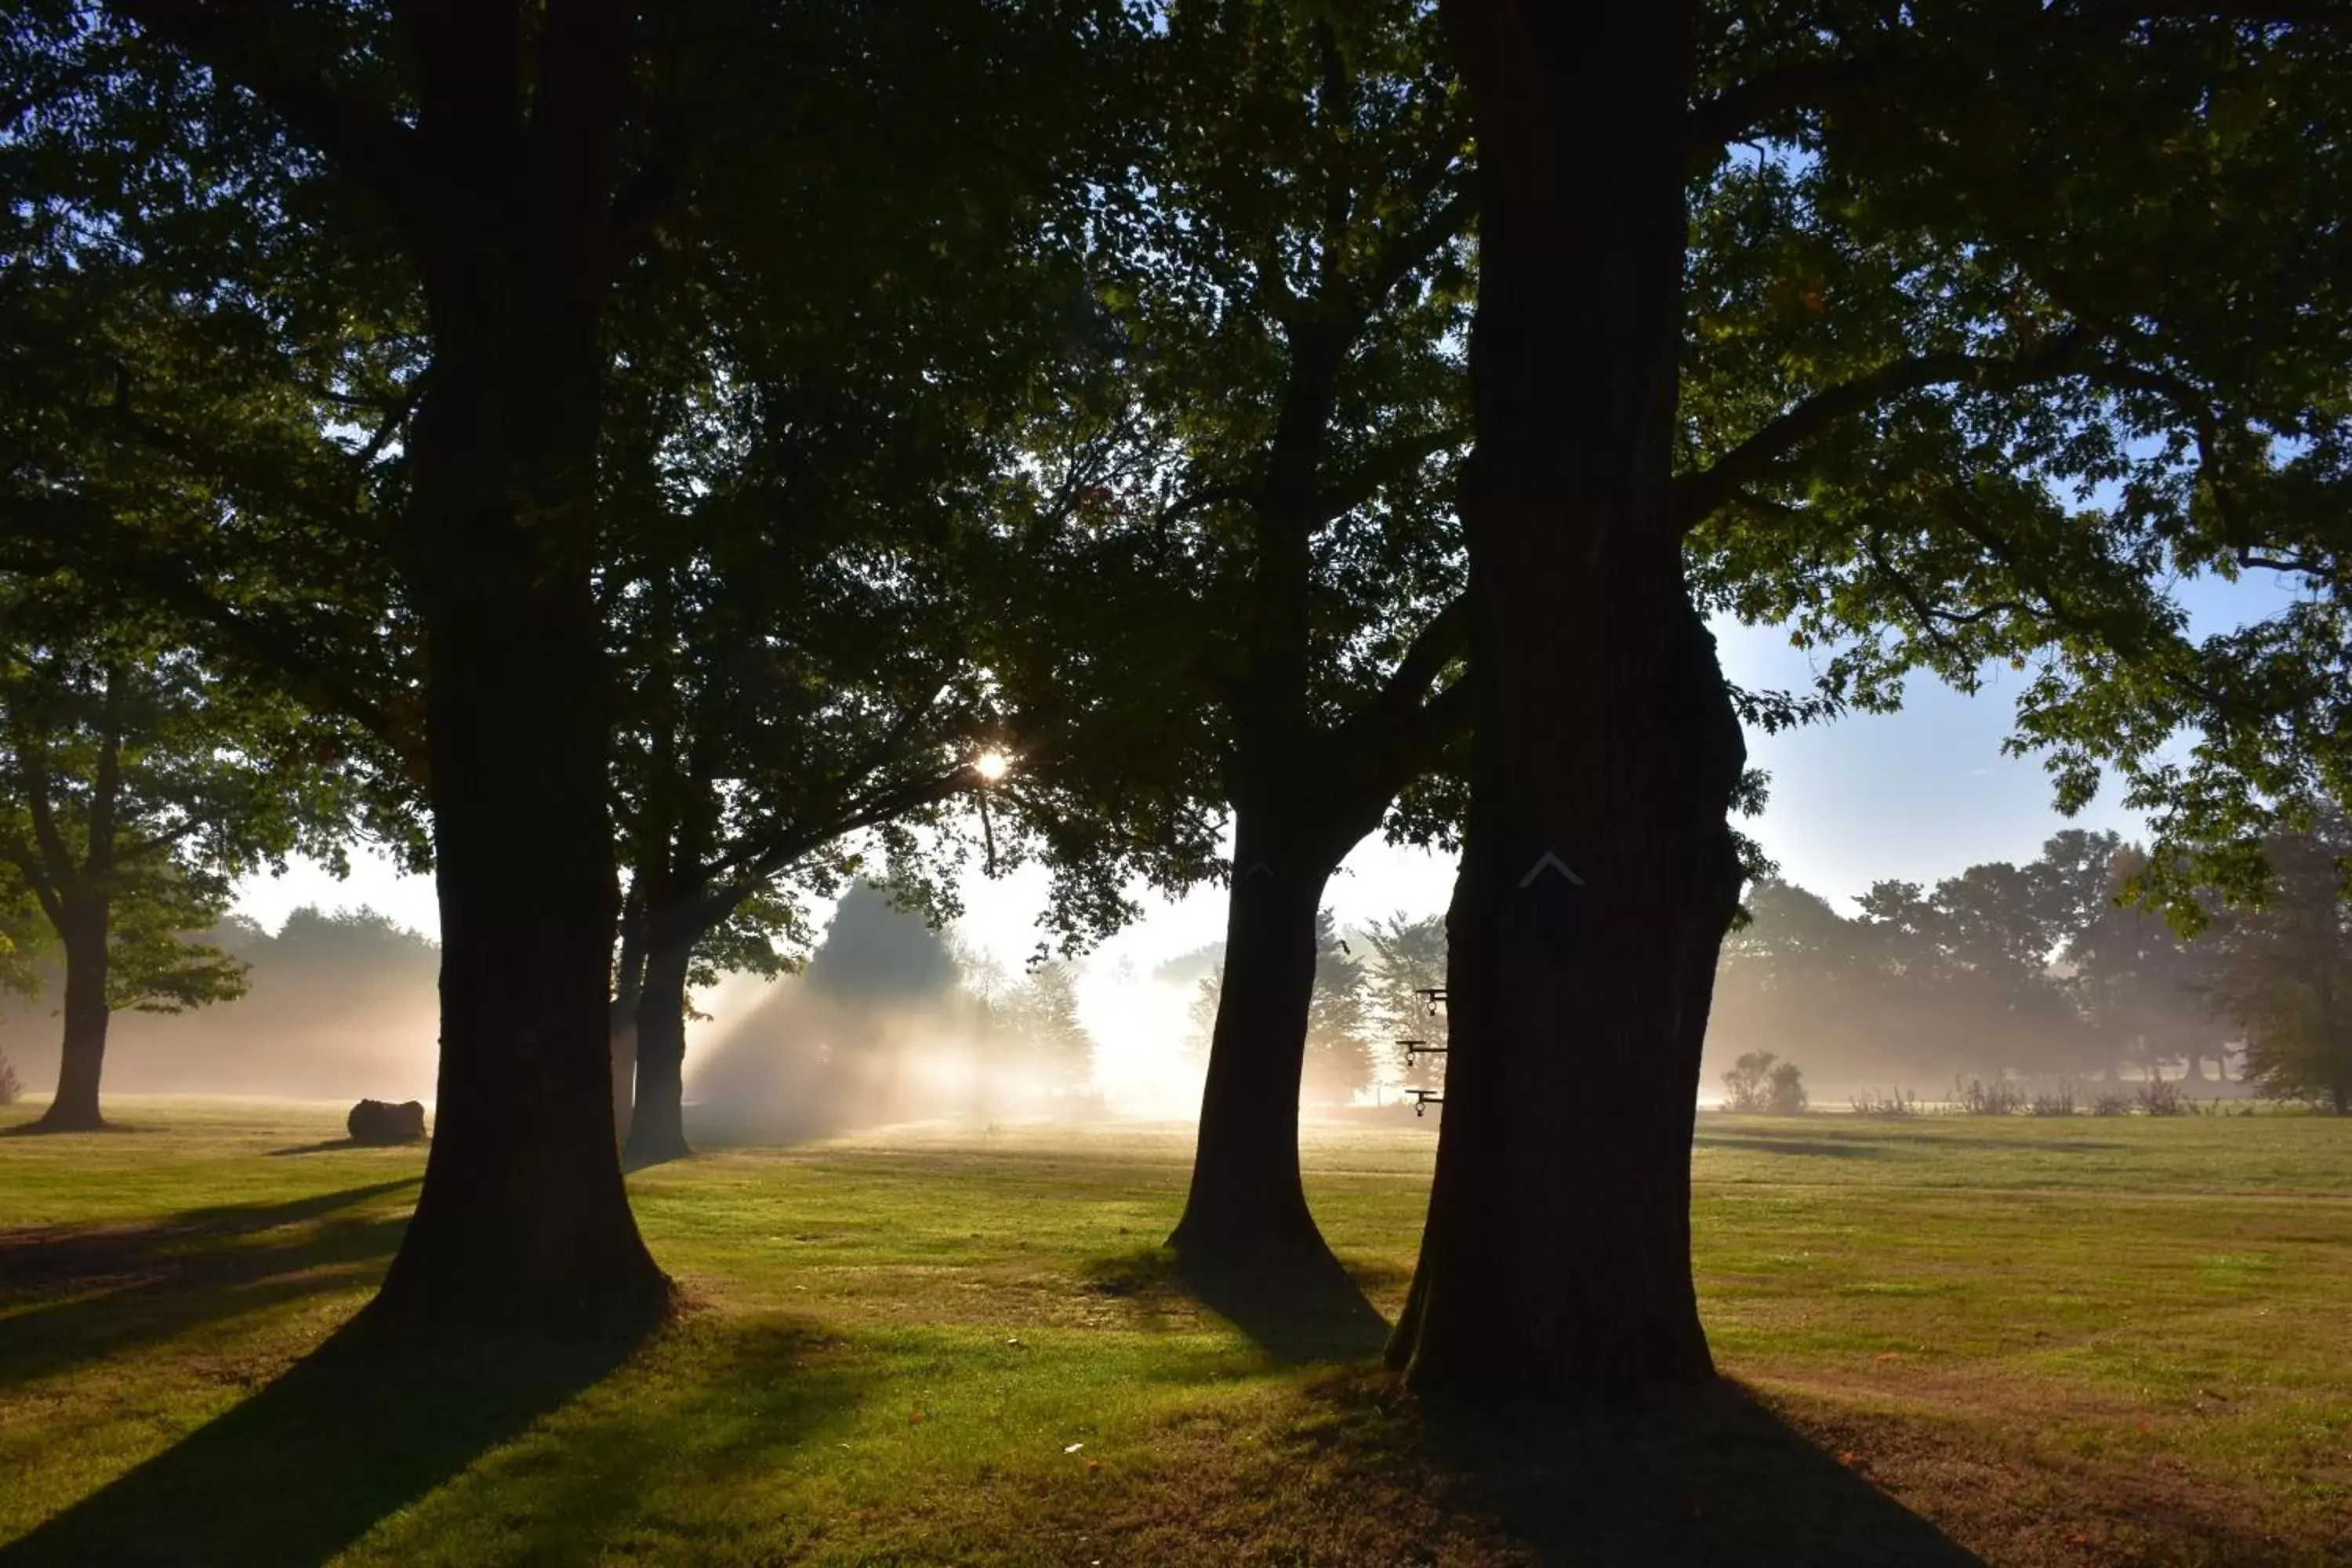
[
  {"x": 1712, "y": 1476},
  {"x": 349, "y": 1434},
  {"x": 679, "y": 1456},
  {"x": 344, "y": 1146},
  {"x": 83, "y": 1293},
  {"x": 499, "y": 1453},
  {"x": 1764, "y": 1143},
  {"x": 36, "y": 1128},
  {"x": 1298, "y": 1312}
]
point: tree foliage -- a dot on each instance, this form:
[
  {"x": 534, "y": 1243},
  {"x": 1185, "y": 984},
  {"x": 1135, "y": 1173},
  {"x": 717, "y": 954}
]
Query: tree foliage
[
  {"x": 2282, "y": 970},
  {"x": 137, "y": 783},
  {"x": 2003, "y": 329},
  {"x": 2031, "y": 970}
]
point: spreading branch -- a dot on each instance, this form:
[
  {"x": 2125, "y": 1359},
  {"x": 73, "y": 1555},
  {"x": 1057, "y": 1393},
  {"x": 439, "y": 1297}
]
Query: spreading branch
[
  {"x": 1699, "y": 496},
  {"x": 1756, "y": 105},
  {"x": 285, "y": 65}
]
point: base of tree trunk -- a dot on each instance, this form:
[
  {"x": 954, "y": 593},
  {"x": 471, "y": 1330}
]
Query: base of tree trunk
[
  {"x": 69, "y": 1119},
  {"x": 1264, "y": 1234},
  {"x": 649, "y": 1146},
  {"x": 556, "y": 1312},
  {"x": 523, "y": 1239}
]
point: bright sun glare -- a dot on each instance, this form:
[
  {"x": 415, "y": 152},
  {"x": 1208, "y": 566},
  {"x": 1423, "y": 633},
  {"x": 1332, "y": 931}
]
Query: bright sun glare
[{"x": 993, "y": 766}]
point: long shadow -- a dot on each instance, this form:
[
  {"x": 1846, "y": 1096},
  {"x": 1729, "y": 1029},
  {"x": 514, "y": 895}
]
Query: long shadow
[
  {"x": 347, "y": 1436},
  {"x": 1713, "y": 1477},
  {"x": 1764, "y": 1143},
  {"x": 1884, "y": 1137},
  {"x": 85, "y": 1293},
  {"x": 1298, "y": 1312},
  {"x": 2054, "y": 1145},
  {"x": 36, "y": 1129}
]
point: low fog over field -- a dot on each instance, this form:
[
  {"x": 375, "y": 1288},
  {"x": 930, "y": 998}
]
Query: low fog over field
[{"x": 2022, "y": 973}]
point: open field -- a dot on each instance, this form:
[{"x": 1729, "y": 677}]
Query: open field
[{"x": 2095, "y": 1341}]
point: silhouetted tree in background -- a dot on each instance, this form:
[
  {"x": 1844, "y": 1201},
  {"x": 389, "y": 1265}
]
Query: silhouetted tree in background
[
  {"x": 2282, "y": 969},
  {"x": 1408, "y": 960},
  {"x": 135, "y": 786}
]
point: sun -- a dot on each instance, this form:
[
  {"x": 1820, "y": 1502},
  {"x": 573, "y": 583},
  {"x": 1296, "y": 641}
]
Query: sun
[{"x": 992, "y": 766}]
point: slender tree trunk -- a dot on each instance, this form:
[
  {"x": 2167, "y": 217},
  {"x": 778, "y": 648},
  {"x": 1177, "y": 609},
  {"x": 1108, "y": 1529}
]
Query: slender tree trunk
[
  {"x": 82, "y": 1053},
  {"x": 1247, "y": 1202},
  {"x": 1598, "y": 873},
  {"x": 628, "y": 988},
  {"x": 657, "y": 1124}
]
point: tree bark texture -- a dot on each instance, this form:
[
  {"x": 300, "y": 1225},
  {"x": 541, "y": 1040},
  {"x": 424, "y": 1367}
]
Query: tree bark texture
[
  {"x": 523, "y": 1222},
  {"x": 1598, "y": 872},
  {"x": 503, "y": 188},
  {"x": 82, "y": 1053},
  {"x": 657, "y": 1124}
]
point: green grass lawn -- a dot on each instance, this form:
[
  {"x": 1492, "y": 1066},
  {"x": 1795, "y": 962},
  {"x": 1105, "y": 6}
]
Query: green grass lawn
[{"x": 2091, "y": 1340}]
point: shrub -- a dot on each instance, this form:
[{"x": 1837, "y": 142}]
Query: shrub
[
  {"x": 11, "y": 1091},
  {"x": 2159, "y": 1097},
  {"x": 1896, "y": 1102},
  {"x": 1761, "y": 1082},
  {"x": 2111, "y": 1105},
  {"x": 1999, "y": 1097},
  {"x": 2059, "y": 1104}
]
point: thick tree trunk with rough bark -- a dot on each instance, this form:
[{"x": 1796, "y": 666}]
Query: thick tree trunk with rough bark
[
  {"x": 82, "y": 1053},
  {"x": 1598, "y": 873},
  {"x": 523, "y": 1222},
  {"x": 1247, "y": 1202},
  {"x": 657, "y": 1123},
  {"x": 503, "y": 186}
]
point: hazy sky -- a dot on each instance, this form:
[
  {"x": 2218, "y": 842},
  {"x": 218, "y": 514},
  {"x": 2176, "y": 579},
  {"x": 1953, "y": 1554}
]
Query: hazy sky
[{"x": 1918, "y": 795}]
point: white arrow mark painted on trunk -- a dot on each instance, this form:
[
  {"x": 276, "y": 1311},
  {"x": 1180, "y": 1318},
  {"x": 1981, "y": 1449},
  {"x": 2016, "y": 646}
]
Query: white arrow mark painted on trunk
[{"x": 1550, "y": 861}]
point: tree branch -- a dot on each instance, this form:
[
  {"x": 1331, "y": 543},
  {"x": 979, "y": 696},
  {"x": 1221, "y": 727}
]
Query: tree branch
[
  {"x": 1750, "y": 108},
  {"x": 1698, "y": 495},
  {"x": 1417, "y": 245},
  {"x": 1438, "y": 644},
  {"x": 56, "y": 856},
  {"x": 292, "y": 75},
  {"x": 22, "y": 856}
]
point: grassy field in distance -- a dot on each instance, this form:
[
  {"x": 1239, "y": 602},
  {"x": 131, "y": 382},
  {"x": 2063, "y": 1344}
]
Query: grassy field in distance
[{"x": 2039, "y": 1342}]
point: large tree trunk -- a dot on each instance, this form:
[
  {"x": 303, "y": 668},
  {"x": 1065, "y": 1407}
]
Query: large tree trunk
[
  {"x": 1598, "y": 873},
  {"x": 1247, "y": 1202},
  {"x": 658, "y": 1122},
  {"x": 82, "y": 1053},
  {"x": 523, "y": 1223}
]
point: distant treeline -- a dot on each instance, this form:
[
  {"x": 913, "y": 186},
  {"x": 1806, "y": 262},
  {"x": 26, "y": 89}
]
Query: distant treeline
[
  {"x": 336, "y": 1006},
  {"x": 341, "y": 1005},
  {"x": 2035, "y": 970}
]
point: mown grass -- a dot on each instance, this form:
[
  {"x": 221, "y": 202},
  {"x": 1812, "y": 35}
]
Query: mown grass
[{"x": 2095, "y": 1341}]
